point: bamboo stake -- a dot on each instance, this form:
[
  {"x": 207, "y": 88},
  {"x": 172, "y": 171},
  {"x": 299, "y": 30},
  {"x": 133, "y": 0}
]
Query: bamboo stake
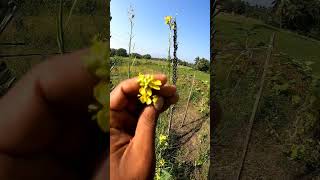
[
  {"x": 255, "y": 107},
  {"x": 187, "y": 107}
]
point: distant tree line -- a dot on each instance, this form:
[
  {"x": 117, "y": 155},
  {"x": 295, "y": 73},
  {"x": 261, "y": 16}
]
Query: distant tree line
[
  {"x": 200, "y": 64},
  {"x": 123, "y": 53},
  {"x": 302, "y": 16}
]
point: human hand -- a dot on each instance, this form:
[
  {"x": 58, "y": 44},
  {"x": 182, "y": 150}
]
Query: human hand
[
  {"x": 132, "y": 130},
  {"x": 45, "y": 129}
]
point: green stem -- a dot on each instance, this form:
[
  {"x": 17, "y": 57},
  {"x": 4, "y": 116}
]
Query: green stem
[
  {"x": 70, "y": 13},
  {"x": 60, "y": 38}
]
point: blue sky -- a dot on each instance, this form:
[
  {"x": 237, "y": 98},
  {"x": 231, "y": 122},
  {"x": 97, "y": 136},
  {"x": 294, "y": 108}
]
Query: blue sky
[{"x": 151, "y": 33}]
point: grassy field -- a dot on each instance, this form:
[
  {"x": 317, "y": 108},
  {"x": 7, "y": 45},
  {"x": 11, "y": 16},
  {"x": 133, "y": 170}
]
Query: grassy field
[
  {"x": 187, "y": 155},
  {"x": 39, "y": 34},
  {"x": 233, "y": 32},
  {"x": 286, "y": 125}
]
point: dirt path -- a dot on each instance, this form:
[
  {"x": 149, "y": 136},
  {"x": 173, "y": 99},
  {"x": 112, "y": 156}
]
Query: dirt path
[
  {"x": 265, "y": 158},
  {"x": 192, "y": 142}
]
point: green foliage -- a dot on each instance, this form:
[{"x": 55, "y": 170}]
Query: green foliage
[
  {"x": 202, "y": 64},
  {"x": 96, "y": 63},
  {"x": 300, "y": 16},
  {"x": 36, "y": 7},
  {"x": 296, "y": 99},
  {"x": 289, "y": 109},
  {"x": 304, "y": 146},
  {"x": 201, "y": 95},
  {"x": 146, "y": 56},
  {"x": 162, "y": 166},
  {"x": 165, "y": 175},
  {"x": 121, "y": 52},
  {"x": 136, "y": 55},
  {"x": 280, "y": 88},
  {"x": 297, "y": 152},
  {"x": 113, "y": 52}
]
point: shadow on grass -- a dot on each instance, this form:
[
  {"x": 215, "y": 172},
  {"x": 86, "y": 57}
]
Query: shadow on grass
[{"x": 183, "y": 169}]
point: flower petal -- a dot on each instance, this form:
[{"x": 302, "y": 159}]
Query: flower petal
[
  {"x": 155, "y": 98},
  {"x": 148, "y": 101},
  {"x": 154, "y": 86},
  {"x": 149, "y": 91},
  {"x": 142, "y": 99},
  {"x": 156, "y": 82},
  {"x": 142, "y": 91}
]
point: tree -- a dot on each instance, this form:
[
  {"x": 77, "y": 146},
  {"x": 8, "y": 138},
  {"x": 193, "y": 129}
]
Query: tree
[
  {"x": 202, "y": 64},
  {"x": 146, "y": 56},
  {"x": 280, "y": 7},
  {"x": 121, "y": 52},
  {"x": 113, "y": 52},
  {"x": 136, "y": 55},
  {"x": 297, "y": 15}
]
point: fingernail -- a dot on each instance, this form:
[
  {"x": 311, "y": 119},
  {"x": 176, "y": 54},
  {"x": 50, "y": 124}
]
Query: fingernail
[{"x": 159, "y": 104}]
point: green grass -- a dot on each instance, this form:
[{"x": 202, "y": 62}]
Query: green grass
[
  {"x": 39, "y": 35},
  {"x": 294, "y": 45},
  {"x": 184, "y": 73}
]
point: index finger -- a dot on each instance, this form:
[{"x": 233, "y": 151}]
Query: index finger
[{"x": 128, "y": 88}]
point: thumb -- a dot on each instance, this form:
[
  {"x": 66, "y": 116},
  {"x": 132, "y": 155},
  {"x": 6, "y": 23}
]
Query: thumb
[
  {"x": 144, "y": 140},
  {"x": 148, "y": 120},
  {"x": 146, "y": 125}
]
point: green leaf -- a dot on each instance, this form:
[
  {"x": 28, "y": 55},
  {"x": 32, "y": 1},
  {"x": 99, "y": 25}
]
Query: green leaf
[
  {"x": 309, "y": 63},
  {"x": 101, "y": 93},
  {"x": 294, "y": 152},
  {"x": 97, "y": 60},
  {"x": 281, "y": 88},
  {"x": 103, "y": 120},
  {"x": 165, "y": 175},
  {"x": 295, "y": 99},
  {"x": 103, "y": 73}
]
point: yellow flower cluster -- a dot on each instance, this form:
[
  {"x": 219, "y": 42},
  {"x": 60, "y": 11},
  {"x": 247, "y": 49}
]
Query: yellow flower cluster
[
  {"x": 162, "y": 138},
  {"x": 169, "y": 21},
  {"x": 147, "y": 83},
  {"x": 162, "y": 162}
]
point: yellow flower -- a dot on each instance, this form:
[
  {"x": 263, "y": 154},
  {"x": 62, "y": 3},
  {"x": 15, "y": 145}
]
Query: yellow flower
[
  {"x": 157, "y": 176},
  {"x": 147, "y": 83},
  {"x": 155, "y": 99},
  {"x": 162, "y": 162},
  {"x": 168, "y": 19},
  {"x": 162, "y": 138},
  {"x": 145, "y": 99}
]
